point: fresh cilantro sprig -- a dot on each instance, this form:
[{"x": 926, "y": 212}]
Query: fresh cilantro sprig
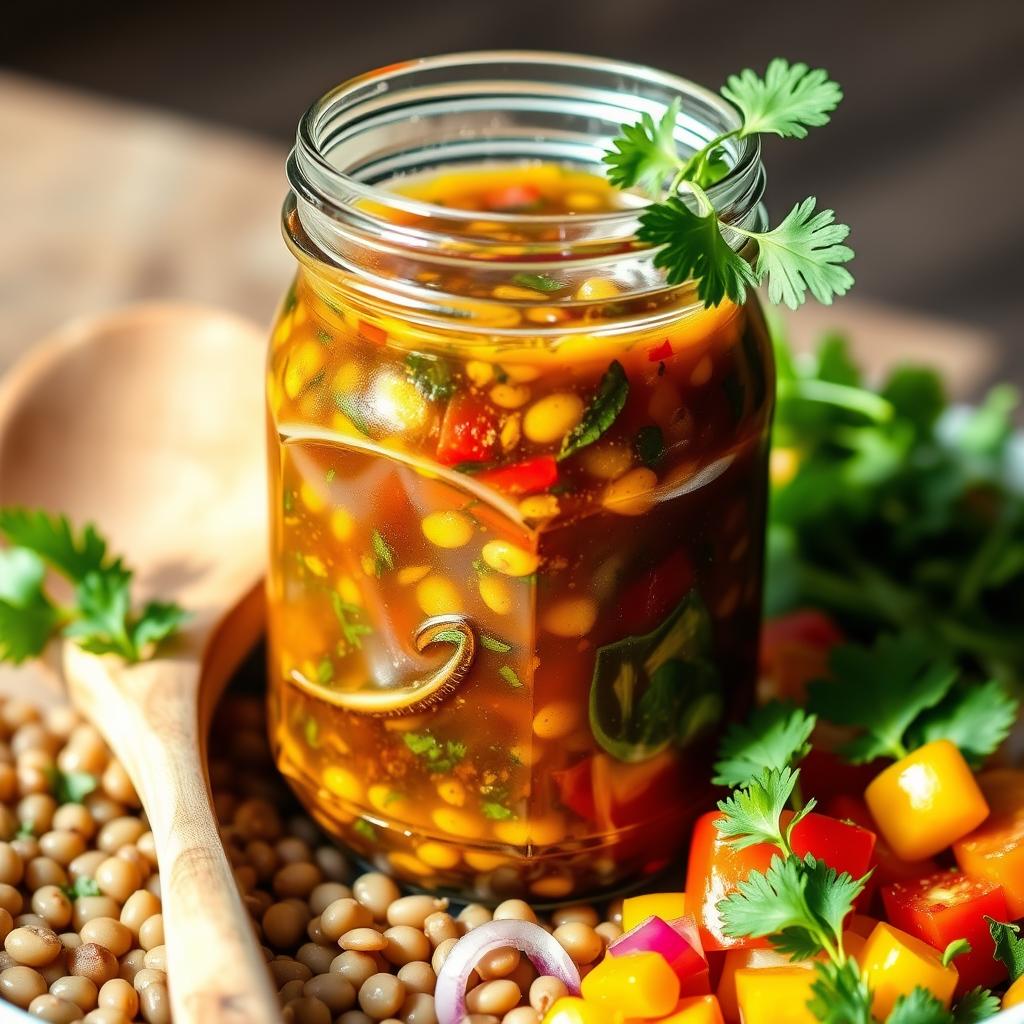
[
  {"x": 899, "y": 694},
  {"x": 101, "y": 618},
  {"x": 752, "y": 815},
  {"x": 776, "y": 735},
  {"x": 804, "y": 253}
]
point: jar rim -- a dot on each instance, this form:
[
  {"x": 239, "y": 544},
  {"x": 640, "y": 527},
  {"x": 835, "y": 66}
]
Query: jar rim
[{"x": 311, "y": 170}]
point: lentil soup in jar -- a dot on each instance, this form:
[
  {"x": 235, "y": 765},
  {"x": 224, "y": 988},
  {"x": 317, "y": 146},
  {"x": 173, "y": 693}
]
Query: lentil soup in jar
[{"x": 517, "y": 482}]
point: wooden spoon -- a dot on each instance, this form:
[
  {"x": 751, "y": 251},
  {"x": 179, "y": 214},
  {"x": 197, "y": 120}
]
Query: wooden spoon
[{"x": 150, "y": 422}]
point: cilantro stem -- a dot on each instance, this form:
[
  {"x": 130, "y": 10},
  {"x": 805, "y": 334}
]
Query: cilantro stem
[
  {"x": 867, "y": 403},
  {"x": 694, "y": 166}
]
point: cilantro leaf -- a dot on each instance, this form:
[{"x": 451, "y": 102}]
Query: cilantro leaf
[
  {"x": 1009, "y": 946},
  {"x": 349, "y": 619},
  {"x": 975, "y": 1006},
  {"x": 437, "y": 756},
  {"x": 803, "y": 253},
  {"x": 72, "y": 787},
  {"x": 649, "y": 444},
  {"x": 645, "y": 153},
  {"x": 831, "y": 895},
  {"x": 101, "y": 619},
  {"x": 977, "y": 718},
  {"x": 157, "y": 621},
  {"x": 774, "y": 736},
  {"x": 789, "y": 99},
  {"x": 431, "y": 375},
  {"x": 772, "y": 903},
  {"x": 510, "y": 676},
  {"x": 839, "y": 994},
  {"x": 27, "y": 618},
  {"x": 493, "y": 643},
  {"x": 495, "y": 811},
  {"x": 539, "y": 282},
  {"x": 601, "y": 413},
  {"x": 751, "y": 815},
  {"x": 881, "y": 691},
  {"x": 919, "y": 1007},
  {"x": 104, "y": 601},
  {"x": 690, "y": 245},
  {"x": 383, "y": 554},
  {"x": 54, "y": 540},
  {"x": 82, "y": 886}
]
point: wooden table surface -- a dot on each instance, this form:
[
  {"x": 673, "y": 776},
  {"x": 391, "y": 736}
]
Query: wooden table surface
[{"x": 104, "y": 203}]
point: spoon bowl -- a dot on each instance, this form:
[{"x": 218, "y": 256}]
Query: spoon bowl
[{"x": 148, "y": 422}]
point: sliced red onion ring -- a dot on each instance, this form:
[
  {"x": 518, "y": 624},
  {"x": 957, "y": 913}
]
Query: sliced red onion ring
[{"x": 542, "y": 949}]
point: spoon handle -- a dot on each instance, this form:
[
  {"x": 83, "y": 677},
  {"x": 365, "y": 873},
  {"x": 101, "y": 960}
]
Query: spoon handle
[{"x": 150, "y": 717}]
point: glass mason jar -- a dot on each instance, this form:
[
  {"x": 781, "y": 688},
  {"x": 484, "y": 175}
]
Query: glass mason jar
[{"x": 515, "y": 575}]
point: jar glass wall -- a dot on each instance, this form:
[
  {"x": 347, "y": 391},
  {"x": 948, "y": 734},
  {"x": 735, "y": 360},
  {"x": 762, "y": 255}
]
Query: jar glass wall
[{"x": 517, "y": 483}]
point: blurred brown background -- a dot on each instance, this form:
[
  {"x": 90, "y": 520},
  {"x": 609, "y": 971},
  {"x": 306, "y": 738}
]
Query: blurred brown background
[{"x": 103, "y": 200}]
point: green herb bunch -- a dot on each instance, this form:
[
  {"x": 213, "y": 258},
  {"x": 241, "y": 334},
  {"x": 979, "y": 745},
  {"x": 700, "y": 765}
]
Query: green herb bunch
[
  {"x": 898, "y": 512},
  {"x": 100, "y": 618},
  {"x": 804, "y": 252}
]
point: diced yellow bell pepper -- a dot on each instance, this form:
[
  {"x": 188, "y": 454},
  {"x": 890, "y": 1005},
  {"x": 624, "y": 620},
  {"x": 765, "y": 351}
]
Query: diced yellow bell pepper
[
  {"x": 666, "y": 905},
  {"x": 695, "y": 1010},
  {"x": 894, "y": 964},
  {"x": 573, "y": 1010},
  {"x": 926, "y": 801},
  {"x": 775, "y": 995},
  {"x": 737, "y": 960},
  {"x": 638, "y": 985},
  {"x": 1014, "y": 994}
]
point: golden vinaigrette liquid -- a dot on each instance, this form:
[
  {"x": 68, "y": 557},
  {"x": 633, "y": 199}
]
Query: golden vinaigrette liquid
[{"x": 574, "y": 626}]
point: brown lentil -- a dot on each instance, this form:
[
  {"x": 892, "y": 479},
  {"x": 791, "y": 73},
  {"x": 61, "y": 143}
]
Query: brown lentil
[
  {"x": 50, "y": 903},
  {"x": 354, "y": 966},
  {"x": 33, "y": 946},
  {"x": 20, "y": 985},
  {"x": 118, "y": 994},
  {"x": 493, "y": 997},
  {"x": 80, "y": 991},
  {"x": 337, "y": 993},
  {"x": 94, "y": 962},
  {"x": 418, "y": 976},
  {"x": 364, "y": 940},
  {"x": 57, "y": 1011},
  {"x": 105, "y": 931},
  {"x": 376, "y": 892},
  {"x": 381, "y": 996}
]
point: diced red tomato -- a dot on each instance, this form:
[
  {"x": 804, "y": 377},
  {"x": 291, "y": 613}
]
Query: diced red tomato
[
  {"x": 794, "y": 650},
  {"x": 512, "y": 198},
  {"x": 647, "y": 600},
  {"x": 840, "y": 844},
  {"x": 995, "y": 849},
  {"x": 469, "y": 431},
  {"x": 948, "y": 905},
  {"x": 526, "y": 477},
  {"x": 575, "y": 787},
  {"x": 888, "y": 867},
  {"x": 372, "y": 333},
  {"x": 660, "y": 352},
  {"x": 714, "y": 870}
]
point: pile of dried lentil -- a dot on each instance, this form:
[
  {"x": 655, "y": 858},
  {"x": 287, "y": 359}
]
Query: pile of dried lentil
[{"x": 80, "y": 913}]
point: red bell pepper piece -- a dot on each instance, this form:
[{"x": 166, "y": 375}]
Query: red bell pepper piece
[
  {"x": 660, "y": 352},
  {"x": 512, "y": 198},
  {"x": 469, "y": 431},
  {"x": 948, "y": 905},
  {"x": 537, "y": 474},
  {"x": 714, "y": 870},
  {"x": 840, "y": 844}
]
